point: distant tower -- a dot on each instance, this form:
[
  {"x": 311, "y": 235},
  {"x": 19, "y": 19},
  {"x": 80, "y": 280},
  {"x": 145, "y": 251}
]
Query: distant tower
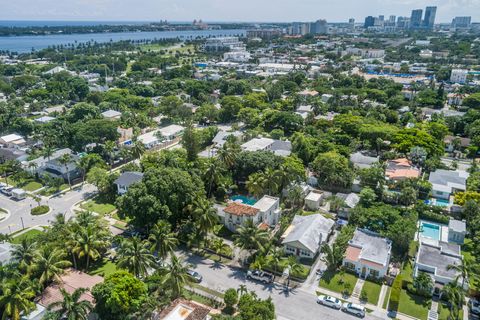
[
  {"x": 416, "y": 19},
  {"x": 429, "y": 21}
]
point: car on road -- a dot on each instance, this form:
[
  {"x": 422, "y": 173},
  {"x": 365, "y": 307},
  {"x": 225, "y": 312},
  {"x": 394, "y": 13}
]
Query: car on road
[
  {"x": 7, "y": 191},
  {"x": 329, "y": 302},
  {"x": 259, "y": 275},
  {"x": 197, "y": 277},
  {"x": 474, "y": 306},
  {"x": 354, "y": 309}
]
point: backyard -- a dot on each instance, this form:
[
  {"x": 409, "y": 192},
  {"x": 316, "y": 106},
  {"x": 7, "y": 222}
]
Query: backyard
[
  {"x": 103, "y": 267},
  {"x": 444, "y": 312},
  {"x": 414, "y": 306},
  {"x": 372, "y": 291},
  {"x": 338, "y": 281}
]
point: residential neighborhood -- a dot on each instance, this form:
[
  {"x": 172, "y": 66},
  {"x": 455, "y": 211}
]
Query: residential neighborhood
[{"x": 242, "y": 170}]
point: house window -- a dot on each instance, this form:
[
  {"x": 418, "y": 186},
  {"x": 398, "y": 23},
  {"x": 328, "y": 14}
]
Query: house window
[
  {"x": 374, "y": 273},
  {"x": 289, "y": 249},
  {"x": 349, "y": 265}
]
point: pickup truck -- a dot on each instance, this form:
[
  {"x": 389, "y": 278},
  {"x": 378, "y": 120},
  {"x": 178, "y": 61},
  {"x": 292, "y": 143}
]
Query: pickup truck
[{"x": 259, "y": 275}]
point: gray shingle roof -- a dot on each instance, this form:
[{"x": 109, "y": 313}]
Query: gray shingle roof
[
  {"x": 374, "y": 247},
  {"x": 440, "y": 257},
  {"x": 447, "y": 179},
  {"x": 310, "y": 231},
  {"x": 129, "y": 178}
]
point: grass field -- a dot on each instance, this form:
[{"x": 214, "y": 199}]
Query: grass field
[
  {"x": 102, "y": 267},
  {"x": 338, "y": 282},
  {"x": 98, "y": 206},
  {"x": 30, "y": 234},
  {"x": 412, "y": 305},
  {"x": 444, "y": 312},
  {"x": 387, "y": 297},
  {"x": 27, "y": 184},
  {"x": 373, "y": 291},
  {"x": 51, "y": 191}
]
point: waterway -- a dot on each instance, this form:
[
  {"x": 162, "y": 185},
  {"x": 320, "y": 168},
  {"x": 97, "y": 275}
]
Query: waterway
[{"x": 22, "y": 44}]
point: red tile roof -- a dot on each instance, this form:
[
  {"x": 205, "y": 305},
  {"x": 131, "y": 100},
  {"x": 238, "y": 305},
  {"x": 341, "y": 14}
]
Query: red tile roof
[
  {"x": 70, "y": 281},
  {"x": 239, "y": 209}
]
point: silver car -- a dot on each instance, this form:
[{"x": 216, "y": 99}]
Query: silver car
[{"x": 329, "y": 302}]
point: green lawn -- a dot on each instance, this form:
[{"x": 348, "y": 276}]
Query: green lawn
[
  {"x": 387, "y": 297},
  {"x": 373, "y": 291},
  {"x": 102, "y": 267},
  {"x": 98, "y": 206},
  {"x": 301, "y": 274},
  {"x": 198, "y": 298},
  {"x": 31, "y": 234},
  {"x": 27, "y": 184},
  {"x": 50, "y": 191},
  {"x": 207, "y": 290},
  {"x": 444, "y": 312},
  {"x": 407, "y": 272},
  {"x": 338, "y": 281},
  {"x": 412, "y": 305}
]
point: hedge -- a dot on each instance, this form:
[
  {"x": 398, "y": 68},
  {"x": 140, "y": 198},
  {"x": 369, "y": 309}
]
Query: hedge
[
  {"x": 395, "y": 294},
  {"x": 40, "y": 210},
  {"x": 431, "y": 213}
]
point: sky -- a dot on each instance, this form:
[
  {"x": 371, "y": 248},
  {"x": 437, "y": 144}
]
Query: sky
[{"x": 228, "y": 10}]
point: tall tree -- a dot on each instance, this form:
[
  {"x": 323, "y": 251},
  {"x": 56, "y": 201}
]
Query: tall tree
[
  {"x": 162, "y": 239},
  {"x": 134, "y": 255},
  {"x": 249, "y": 237},
  {"x": 65, "y": 160},
  {"x": 71, "y": 307},
  {"x": 191, "y": 142},
  {"x": 49, "y": 264},
  {"x": 175, "y": 276},
  {"x": 16, "y": 298}
]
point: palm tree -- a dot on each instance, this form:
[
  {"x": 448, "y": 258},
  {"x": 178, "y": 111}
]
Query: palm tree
[
  {"x": 71, "y": 307},
  {"x": 24, "y": 253},
  {"x": 33, "y": 167},
  {"x": 218, "y": 245},
  {"x": 272, "y": 181},
  {"x": 175, "y": 276},
  {"x": 49, "y": 264},
  {"x": 249, "y": 237},
  {"x": 135, "y": 256},
  {"x": 163, "y": 240},
  {"x": 295, "y": 196},
  {"x": 227, "y": 155},
  {"x": 83, "y": 165},
  {"x": 88, "y": 243},
  {"x": 211, "y": 176},
  {"x": 455, "y": 296},
  {"x": 466, "y": 268},
  {"x": 332, "y": 256},
  {"x": 137, "y": 148},
  {"x": 275, "y": 257},
  {"x": 293, "y": 267},
  {"x": 336, "y": 203},
  {"x": 205, "y": 216},
  {"x": 242, "y": 289},
  {"x": 125, "y": 153},
  {"x": 65, "y": 160},
  {"x": 47, "y": 151},
  {"x": 16, "y": 298},
  {"x": 109, "y": 147},
  {"x": 256, "y": 184}
]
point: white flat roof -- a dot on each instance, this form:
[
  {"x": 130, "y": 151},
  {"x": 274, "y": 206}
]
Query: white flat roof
[
  {"x": 171, "y": 130},
  {"x": 257, "y": 144},
  {"x": 148, "y": 137},
  {"x": 11, "y": 137},
  {"x": 181, "y": 312},
  {"x": 313, "y": 196},
  {"x": 265, "y": 203}
]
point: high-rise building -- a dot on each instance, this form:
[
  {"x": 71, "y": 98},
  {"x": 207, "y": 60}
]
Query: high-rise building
[
  {"x": 416, "y": 18},
  {"x": 369, "y": 22},
  {"x": 392, "y": 19},
  {"x": 429, "y": 21},
  {"x": 403, "y": 22},
  {"x": 319, "y": 27},
  {"x": 381, "y": 17},
  {"x": 461, "y": 22}
]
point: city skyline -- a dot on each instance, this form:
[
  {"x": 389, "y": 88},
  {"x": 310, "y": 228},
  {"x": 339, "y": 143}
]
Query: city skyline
[{"x": 223, "y": 11}]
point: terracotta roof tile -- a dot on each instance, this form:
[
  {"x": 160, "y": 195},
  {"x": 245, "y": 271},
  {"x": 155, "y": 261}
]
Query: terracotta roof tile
[{"x": 239, "y": 209}]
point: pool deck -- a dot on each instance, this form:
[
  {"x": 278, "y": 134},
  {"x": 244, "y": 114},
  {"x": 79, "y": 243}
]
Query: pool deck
[{"x": 444, "y": 233}]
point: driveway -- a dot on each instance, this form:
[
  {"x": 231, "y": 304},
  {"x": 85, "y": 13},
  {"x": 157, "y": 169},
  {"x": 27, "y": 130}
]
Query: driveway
[
  {"x": 298, "y": 304},
  {"x": 20, "y": 210}
]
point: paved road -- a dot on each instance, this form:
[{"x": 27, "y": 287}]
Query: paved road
[
  {"x": 20, "y": 210},
  {"x": 299, "y": 304}
]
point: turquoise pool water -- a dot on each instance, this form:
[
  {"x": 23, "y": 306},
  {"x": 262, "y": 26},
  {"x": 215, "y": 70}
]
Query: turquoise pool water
[
  {"x": 442, "y": 203},
  {"x": 244, "y": 199},
  {"x": 430, "y": 230}
]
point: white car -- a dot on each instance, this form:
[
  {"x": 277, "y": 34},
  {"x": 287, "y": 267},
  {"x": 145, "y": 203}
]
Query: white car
[
  {"x": 329, "y": 302},
  {"x": 354, "y": 309}
]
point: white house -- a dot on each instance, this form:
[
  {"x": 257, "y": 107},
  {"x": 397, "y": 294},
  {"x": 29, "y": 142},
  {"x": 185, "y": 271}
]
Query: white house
[
  {"x": 305, "y": 235},
  {"x": 459, "y": 76},
  {"x": 13, "y": 141},
  {"x": 112, "y": 114},
  {"x": 158, "y": 136},
  {"x": 126, "y": 179},
  {"x": 266, "y": 211},
  {"x": 313, "y": 200},
  {"x": 368, "y": 254},
  {"x": 447, "y": 182},
  {"x": 279, "y": 147}
]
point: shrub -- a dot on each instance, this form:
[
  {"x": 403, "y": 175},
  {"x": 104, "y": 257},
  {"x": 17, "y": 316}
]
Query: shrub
[
  {"x": 431, "y": 213},
  {"x": 40, "y": 210},
  {"x": 395, "y": 294},
  {"x": 364, "y": 295},
  {"x": 230, "y": 298}
]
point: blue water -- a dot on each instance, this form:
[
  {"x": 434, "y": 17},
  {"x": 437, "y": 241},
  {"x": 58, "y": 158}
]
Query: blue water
[
  {"x": 430, "y": 230},
  {"x": 24, "y": 44},
  {"x": 244, "y": 199},
  {"x": 442, "y": 203},
  {"x": 63, "y": 23}
]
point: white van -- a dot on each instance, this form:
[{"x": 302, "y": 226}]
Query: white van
[
  {"x": 19, "y": 194},
  {"x": 355, "y": 309}
]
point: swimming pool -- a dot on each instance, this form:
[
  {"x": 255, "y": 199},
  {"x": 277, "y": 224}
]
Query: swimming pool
[
  {"x": 442, "y": 203},
  {"x": 244, "y": 199},
  {"x": 430, "y": 230}
]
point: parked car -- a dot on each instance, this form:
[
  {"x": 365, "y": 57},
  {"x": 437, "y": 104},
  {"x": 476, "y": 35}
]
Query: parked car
[
  {"x": 259, "y": 275},
  {"x": 197, "y": 277},
  {"x": 354, "y": 309},
  {"x": 474, "y": 306},
  {"x": 2, "y": 185},
  {"x": 329, "y": 302},
  {"x": 7, "y": 191}
]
